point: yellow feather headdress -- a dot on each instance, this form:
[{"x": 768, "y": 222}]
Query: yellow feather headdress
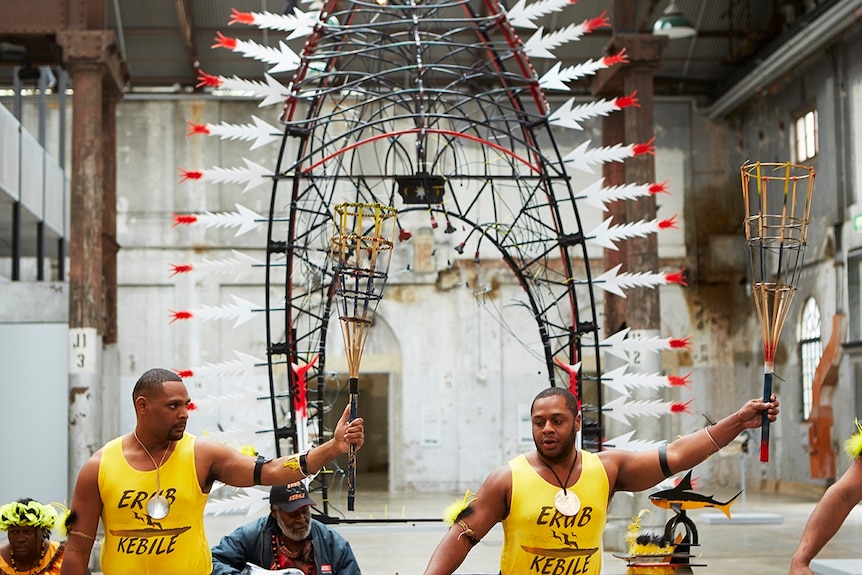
[
  {"x": 30, "y": 514},
  {"x": 853, "y": 445}
]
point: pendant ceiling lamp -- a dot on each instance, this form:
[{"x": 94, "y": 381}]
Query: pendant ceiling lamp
[{"x": 673, "y": 23}]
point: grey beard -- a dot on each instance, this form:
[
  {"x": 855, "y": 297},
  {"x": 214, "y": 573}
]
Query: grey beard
[{"x": 292, "y": 534}]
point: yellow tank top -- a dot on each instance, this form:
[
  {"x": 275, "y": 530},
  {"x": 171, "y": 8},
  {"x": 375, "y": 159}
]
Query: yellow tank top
[
  {"x": 538, "y": 538},
  {"x": 137, "y": 544}
]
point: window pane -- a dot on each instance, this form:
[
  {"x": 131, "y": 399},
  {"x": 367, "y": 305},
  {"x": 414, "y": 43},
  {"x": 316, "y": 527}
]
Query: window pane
[
  {"x": 800, "y": 139},
  {"x": 810, "y": 138},
  {"x": 810, "y": 350},
  {"x": 854, "y": 295}
]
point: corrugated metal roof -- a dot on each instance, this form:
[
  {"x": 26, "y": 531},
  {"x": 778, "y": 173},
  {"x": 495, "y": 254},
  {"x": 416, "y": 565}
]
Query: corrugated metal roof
[{"x": 731, "y": 34}]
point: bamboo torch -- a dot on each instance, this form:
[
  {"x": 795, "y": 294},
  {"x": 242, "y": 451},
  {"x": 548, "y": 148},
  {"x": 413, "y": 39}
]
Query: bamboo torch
[
  {"x": 362, "y": 249},
  {"x": 777, "y": 209}
]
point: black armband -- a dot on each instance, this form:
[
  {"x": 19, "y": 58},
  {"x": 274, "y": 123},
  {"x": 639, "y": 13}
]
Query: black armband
[
  {"x": 662, "y": 461},
  {"x": 258, "y": 466}
]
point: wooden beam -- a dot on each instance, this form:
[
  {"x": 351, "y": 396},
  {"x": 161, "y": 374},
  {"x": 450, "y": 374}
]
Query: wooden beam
[{"x": 184, "y": 16}]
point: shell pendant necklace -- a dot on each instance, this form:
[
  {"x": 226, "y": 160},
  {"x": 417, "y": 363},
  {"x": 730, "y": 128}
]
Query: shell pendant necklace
[
  {"x": 158, "y": 506},
  {"x": 566, "y": 501}
]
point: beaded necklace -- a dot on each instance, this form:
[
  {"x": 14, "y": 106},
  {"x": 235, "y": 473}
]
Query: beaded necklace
[
  {"x": 46, "y": 569},
  {"x": 304, "y": 555}
]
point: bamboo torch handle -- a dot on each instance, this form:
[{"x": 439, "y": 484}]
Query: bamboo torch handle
[
  {"x": 351, "y": 455},
  {"x": 764, "y": 427}
]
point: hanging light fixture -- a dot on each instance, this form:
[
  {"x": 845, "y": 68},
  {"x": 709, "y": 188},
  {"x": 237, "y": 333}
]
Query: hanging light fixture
[{"x": 673, "y": 23}]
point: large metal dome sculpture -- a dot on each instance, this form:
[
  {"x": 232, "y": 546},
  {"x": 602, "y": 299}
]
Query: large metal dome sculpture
[{"x": 433, "y": 108}]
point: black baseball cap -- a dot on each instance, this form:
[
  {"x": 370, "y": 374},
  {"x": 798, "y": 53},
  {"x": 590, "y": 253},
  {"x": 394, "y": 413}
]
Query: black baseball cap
[{"x": 290, "y": 497}]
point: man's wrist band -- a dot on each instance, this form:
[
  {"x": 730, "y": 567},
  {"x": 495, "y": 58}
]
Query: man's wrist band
[
  {"x": 662, "y": 461},
  {"x": 258, "y": 466}
]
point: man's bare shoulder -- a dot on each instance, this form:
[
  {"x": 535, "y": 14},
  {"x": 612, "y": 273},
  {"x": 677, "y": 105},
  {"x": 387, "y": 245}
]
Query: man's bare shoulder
[
  {"x": 498, "y": 481},
  {"x": 210, "y": 447},
  {"x": 94, "y": 460}
]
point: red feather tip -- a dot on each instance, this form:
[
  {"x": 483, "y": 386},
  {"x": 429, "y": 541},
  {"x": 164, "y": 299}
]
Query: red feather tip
[
  {"x": 184, "y": 219},
  {"x": 404, "y": 235},
  {"x": 626, "y": 101},
  {"x": 668, "y": 223},
  {"x": 601, "y": 21},
  {"x": 190, "y": 175},
  {"x": 237, "y": 17},
  {"x": 658, "y": 188},
  {"x": 178, "y": 315},
  {"x": 197, "y": 129},
  {"x": 180, "y": 269},
  {"x": 676, "y": 278},
  {"x": 191, "y": 406},
  {"x": 184, "y": 373},
  {"x": 677, "y": 407},
  {"x": 207, "y": 80},
  {"x": 618, "y": 58},
  {"x": 222, "y": 41},
  {"x": 680, "y": 343},
  {"x": 645, "y": 148},
  {"x": 676, "y": 380}
]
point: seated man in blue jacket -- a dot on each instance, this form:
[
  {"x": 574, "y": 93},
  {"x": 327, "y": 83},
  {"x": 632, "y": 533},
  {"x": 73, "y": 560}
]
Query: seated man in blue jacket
[{"x": 287, "y": 537}]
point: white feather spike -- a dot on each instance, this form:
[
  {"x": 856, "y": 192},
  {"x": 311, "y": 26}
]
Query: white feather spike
[
  {"x": 614, "y": 282},
  {"x": 613, "y": 379},
  {"x": 239, "y": 402},
  {"x": 243, "y": 365},
  {"x": 300, "y": 24},
  {"x": 283, "y": 59},
  {"x": 522, "y": 16},
  {"x": 621, "y": 408},
  {"x": 556, "y": 77},
  {"x": 240, "y": 312},
  {"x": 250, "y": 500},
  {"x": 240, "y": 265},
  {"x": 626, "y": 443},
  {"x": 582, "y": 158},
  {"x": 599, "y": 197},
  {"x": 569, "y": 116},
  {"x": 259, "y": 132},
  {"x": 253, "y": 175},
  {"x": 622, "y": 347},
  {"x": 540, "y": 45},
  {"x": 564, "y": 117},
  {"x": 271, "y": 92},
  {"x": 622, "y": 382},
  {"x": 606, "y": 235},
  {"x": 242, "y": 433},
  {"x": 244, "y": 219}
]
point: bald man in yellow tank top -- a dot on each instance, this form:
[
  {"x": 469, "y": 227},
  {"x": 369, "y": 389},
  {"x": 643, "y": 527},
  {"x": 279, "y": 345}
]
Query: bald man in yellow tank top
[
  {"x": 149, "y": 487},
  {"x": 553, "y": 500}
]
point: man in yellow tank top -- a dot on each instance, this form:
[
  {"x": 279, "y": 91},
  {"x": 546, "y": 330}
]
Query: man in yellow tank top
[
  {"x": 553, "y": 500},
  {"x": 149, "y": 487}
]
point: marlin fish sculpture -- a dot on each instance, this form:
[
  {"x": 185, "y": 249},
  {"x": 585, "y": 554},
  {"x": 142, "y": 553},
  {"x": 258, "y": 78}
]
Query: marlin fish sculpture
[{"x": 682, "y": 498}]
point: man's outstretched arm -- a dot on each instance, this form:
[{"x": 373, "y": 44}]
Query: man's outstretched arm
[{"x": 828, "y": 516}]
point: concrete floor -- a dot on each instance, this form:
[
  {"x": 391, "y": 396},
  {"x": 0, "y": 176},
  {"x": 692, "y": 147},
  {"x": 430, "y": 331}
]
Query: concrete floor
[{"x": 742, "y": 546}]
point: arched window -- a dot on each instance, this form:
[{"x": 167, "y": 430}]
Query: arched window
[{"x": 810, "y": 350}]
